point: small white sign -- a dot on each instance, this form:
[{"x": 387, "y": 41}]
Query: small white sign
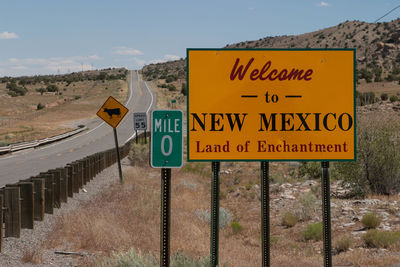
[{"x": 140, "y": 121}]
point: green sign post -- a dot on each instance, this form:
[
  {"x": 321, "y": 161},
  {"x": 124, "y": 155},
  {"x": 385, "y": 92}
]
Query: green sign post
[
  {"x": 166, "y": 153},
  {"x": 167, "y": 139}
]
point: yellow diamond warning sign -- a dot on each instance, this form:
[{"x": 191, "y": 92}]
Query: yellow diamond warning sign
[{"x": 112, "y": 112}]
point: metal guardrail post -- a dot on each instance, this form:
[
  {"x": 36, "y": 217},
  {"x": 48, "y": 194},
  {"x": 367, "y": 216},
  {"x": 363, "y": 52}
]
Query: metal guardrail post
[
  {"x": 80, "y": 173},
  {"x": 57, "y": 188},
  {"x": 70, "y": 174},
  {"x": 1, "y": 228},
  {"x": 75, "y": 178},
  {"x": 48, "y": 193},
  {"x": 27, "y": 204},
  {"x": 13, "y": 212},
  {"x": 38, "y": 209},
  {"x": 63, "y": 185}
]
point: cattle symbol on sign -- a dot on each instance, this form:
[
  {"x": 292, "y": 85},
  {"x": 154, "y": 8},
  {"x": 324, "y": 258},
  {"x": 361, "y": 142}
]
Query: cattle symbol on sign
[{"x": 112, "y": 112}]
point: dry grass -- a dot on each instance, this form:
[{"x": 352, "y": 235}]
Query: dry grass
[
  {"x": 32, "y": 255},
  {"x": 128, "y": 216}
]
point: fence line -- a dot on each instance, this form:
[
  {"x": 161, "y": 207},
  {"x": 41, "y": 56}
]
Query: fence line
[{"x": 27, "y": 201}]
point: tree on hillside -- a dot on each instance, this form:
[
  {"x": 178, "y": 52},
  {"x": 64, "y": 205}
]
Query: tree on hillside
[
  {"x": 41, "y": 90},
  {"x": 52, "y": 88},
  {"x": 15, "y": 90}
]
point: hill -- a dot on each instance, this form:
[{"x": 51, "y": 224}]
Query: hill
[
  {"x": 377, "y": 51},
  {"x": 34, "y": 107}
]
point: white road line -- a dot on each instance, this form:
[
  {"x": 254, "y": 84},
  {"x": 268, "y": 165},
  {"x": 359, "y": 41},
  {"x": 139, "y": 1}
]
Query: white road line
[
  {"x": 151, "y": 103},
  {"x": 130, "y": 89},
  {"x": 152, "y": 98}
]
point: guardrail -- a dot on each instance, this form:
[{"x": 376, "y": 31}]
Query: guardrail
[
  {"x": 27, "y": 201},
  {"x": 26, "y": 145}
]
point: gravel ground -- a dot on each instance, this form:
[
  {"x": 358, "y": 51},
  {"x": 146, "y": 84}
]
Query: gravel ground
[{"x": 14, "y": 248}]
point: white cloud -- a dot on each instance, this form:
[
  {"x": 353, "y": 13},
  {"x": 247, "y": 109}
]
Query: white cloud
[
  {"x": 164, "y": 59},
  {"x": 171, "y": 57},
  {"x": 8, "y": 35},
  {"x": 25, "y": 66},
  {"x": 323, "y": 4},
  {"x": 139, "y": 62},
  {"x": 127, "y": 51},
  {"x": 19, "y": 68},
  {"x": 94, "y": 57}
]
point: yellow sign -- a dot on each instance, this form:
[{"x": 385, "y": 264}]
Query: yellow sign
[
  {"x": 271, "y": 104},
  {"x": 112, "y": 112}
]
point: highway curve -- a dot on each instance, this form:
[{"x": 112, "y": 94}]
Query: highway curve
[{"x": 99, "y": 137}]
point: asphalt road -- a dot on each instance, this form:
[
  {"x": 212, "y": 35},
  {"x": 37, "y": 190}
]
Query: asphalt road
[{"x": 99, "y": 137}]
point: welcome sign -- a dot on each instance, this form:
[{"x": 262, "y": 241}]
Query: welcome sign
[{"x": 271, "y": 104}]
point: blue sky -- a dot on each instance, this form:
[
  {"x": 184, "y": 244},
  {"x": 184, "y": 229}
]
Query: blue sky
[{"x": 60, "y": 36}]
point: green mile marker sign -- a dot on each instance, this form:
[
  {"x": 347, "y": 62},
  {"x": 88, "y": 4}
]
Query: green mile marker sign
[{"x": 167, "y": 139}]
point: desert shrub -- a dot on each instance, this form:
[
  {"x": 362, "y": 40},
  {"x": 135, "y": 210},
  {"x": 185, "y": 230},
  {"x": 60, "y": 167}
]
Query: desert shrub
[
  {"x": 384, "y": 96},
  {"x": 378, "y": 74},
  {"x": 40, "y": 106},
  {"x": 310, "y": 170},
  {"x": 316, "y": 190},
  {"x": 342, "y": 244},
  {"x": 306, "y": 207},
  {"x": 236, "y": 227},
  {"x": 377, "y": 168},
  {"x": 181, "y": 260},
  {"x": 289, "y": 219},
  {"x": 171, "y": 78},
  {"x": 394, "y": 98},
  {"x": 32, "y": 255},
  {"x": 41, "y": 90},
  {"x": 313, "y": 231},
  {"x": 12, "y": 93},
  {"x": 184, "y": 89},
  {"x": 273, "y": 240},
  {"x": 102, "y": 76},
  {"x": 129, "y": 258},
  {"x": 365, "y": 74},
  {"x": 52, "y": 88},
  {"x": 139, "y": 154},
  {"x": 366, "y": 98},
  {"x": 77, "y": 97},
  {"x": 376, "y": 239},
  {"x": 15, "y": 90},
  {"x": 370, "y": 220},
  {"x": 171, "y": 87},
  {"x": 224, "y": 216}
]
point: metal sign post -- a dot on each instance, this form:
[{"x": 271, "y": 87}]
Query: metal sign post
[
  {"x": 265, "y": 239},
  {"x": 215, "y": 165},
  {"x": 326, "y": 214},
  {"x": 118, "y": 158},
  {"x": 165, "y": 216},
  {"x": 113, "y": 112}
]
